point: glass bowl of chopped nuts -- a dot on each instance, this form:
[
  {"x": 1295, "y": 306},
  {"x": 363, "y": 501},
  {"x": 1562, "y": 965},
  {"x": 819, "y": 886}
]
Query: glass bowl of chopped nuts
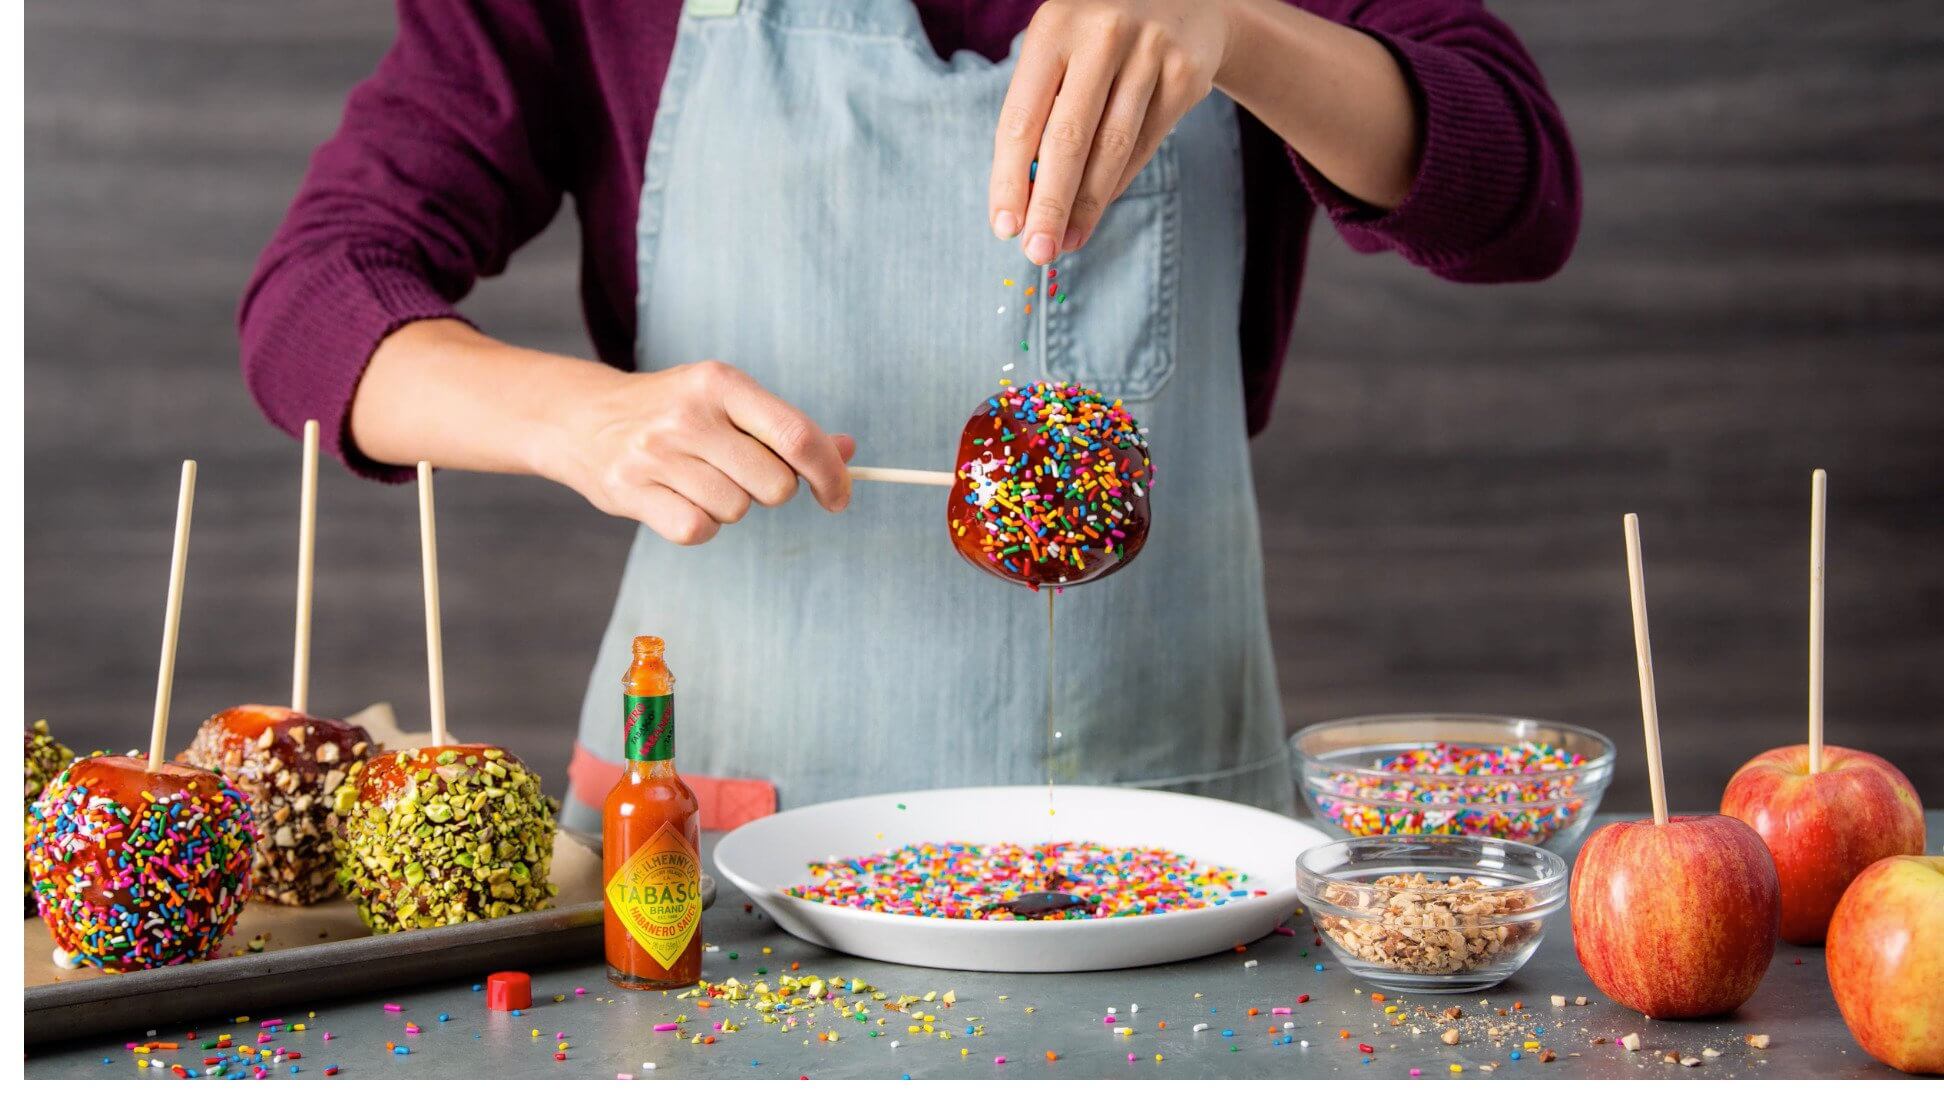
[
  {"x": 1431, "y": 913},
  {"x": 1507, "y": 777}
]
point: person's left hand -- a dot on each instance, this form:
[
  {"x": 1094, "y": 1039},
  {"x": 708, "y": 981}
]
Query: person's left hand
[{"x": 1098, "y": 85}]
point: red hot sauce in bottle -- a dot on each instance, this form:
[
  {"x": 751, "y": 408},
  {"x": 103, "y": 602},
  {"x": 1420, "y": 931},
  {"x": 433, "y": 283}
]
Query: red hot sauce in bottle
[{"x": 650, "y": 834}]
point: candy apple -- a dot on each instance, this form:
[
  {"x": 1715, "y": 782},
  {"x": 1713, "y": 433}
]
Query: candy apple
[
  {"x": 1675, "y": 920},
  {"x": 1824, "y": 828},
  {"x": 135, "y": 866},
  {"x": 1886, "y": 961}
]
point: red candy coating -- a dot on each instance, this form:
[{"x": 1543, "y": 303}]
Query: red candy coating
[{"x": 1051, "y": 486}]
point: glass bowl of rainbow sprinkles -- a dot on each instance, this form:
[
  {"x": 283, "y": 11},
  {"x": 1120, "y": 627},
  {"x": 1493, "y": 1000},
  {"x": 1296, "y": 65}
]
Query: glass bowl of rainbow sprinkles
[{"x": 1503, "y": 777}]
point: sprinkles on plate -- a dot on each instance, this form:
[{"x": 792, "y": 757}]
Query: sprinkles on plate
[
  {"x": 960, "y": 880},
  {"x": 1510, "y": 792}
]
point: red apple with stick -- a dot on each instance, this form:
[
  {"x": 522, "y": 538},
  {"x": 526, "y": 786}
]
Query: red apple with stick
[
  {"x": 1886, "y": 961},
  {"x": 1825, "y": 812},
  {"x": 1674, "y": 918}
]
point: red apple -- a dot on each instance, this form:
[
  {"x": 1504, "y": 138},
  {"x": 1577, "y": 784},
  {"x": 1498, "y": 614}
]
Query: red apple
[
  {"x": 1824, "y": 828},
  {"x": 1886, "y": 961},
  {"x": 1675, "y": 920}
]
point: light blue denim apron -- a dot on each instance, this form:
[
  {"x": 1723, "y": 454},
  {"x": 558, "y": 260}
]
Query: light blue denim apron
[{"x": 814, "y": 212}]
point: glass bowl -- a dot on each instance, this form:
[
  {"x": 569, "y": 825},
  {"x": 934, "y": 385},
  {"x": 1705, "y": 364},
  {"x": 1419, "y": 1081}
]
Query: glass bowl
[
  {"x": 1348, "y": 771},
  {"x": 1388, "y": 907}
]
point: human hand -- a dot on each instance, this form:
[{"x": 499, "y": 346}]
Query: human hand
[
  {"x": 1098, "y": 85},
  {"x": 688, "y": 449}
]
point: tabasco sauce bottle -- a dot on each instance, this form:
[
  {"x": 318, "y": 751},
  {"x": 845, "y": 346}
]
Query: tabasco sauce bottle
[{"x": 649, "y": 837}]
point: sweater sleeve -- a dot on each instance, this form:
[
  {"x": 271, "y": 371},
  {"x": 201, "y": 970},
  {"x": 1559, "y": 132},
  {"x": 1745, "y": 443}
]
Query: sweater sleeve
[
  {"x": 1497, "y": 192},
  {"x": 445, "y": 162}
]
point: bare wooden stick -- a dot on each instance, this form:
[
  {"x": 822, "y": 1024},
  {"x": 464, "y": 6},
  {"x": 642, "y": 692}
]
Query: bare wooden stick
[
  {"x": 1644, "y": 656},
  {"x": 434, "y": 645},
  {"x": 306, "y": 558},
  {"x": 1818, "y": 515},
  {"x": 901, "y": 476},
  {"x": 172, "y": 619}
]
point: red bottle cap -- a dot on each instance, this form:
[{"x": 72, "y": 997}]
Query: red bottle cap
[{"x": 509, "y": 991}]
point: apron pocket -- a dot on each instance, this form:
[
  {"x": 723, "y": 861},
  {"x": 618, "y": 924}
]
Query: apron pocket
[{"x": 1116, "y": 332}]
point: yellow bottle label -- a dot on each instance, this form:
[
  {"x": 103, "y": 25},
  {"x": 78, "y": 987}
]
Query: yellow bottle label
[{"x": 657, "y": 895}]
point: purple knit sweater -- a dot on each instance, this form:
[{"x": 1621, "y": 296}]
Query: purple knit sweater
[{"x": 486, "y": 113}]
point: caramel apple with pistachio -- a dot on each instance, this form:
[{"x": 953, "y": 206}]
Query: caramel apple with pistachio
[{"x": 443, "y": 834}]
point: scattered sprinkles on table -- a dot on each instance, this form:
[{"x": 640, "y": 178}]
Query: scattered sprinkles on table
[
  {"x": 156, "y": 882},
  {"x": 1505, "y": 792},
  {"x": 1051, "y": 485},
  {"x": 958, "y": 880}
]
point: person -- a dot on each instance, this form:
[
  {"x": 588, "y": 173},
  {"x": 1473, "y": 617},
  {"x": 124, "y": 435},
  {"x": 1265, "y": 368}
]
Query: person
[{"x": 796, "y": 218}]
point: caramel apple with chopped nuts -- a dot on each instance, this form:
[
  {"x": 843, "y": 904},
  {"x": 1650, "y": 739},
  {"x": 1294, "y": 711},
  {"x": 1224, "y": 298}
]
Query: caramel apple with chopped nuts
[
  {"x": 443, "y": 834},
  {"x": 289, "y": 765}
]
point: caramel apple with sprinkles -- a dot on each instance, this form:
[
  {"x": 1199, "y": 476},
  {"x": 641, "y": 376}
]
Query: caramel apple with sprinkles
[
  {"x": 139, "y": 862},
  {"x": 1051, "y": 486},
  {"x": 136, "y": 867}
]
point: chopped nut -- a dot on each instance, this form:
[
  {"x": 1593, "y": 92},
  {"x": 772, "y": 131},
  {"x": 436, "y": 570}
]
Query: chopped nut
[
  {"x": 1599, "y": 1040},
  {"x": 1411, "y": 923},
  {"x": 1671, "y": 1056},
  {"x": 1759, "y": 1042},
  {"x": 1710, "y": 1052},
  {"x": 1690, "y": 1061},
  {"x": 1450, "y": 1037},
  {"x": 1547, "y": 1056},
  {"x": 1579, "y": 1002},
  {"x": 1631, "y": 1041},
  {"x": 1558, "y": 1001},
  {"x": 1454, "y": 1013}
]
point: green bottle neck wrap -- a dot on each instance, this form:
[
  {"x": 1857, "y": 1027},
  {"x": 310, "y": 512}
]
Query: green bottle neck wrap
[{"x": 648, "y": 727}]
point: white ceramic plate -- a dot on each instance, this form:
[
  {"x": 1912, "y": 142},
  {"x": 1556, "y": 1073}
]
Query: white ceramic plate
[{"x": 769, "y": 854}]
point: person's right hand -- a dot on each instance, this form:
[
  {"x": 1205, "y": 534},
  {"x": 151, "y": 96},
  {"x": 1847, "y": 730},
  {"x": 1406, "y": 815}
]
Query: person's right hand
[{"x": 688, "y": 449}]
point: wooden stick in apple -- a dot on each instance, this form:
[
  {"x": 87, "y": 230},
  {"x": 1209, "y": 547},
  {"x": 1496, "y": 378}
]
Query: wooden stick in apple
[
  {"x": 1674, "y": 917},
  {"x": 287, "y": 763},
  {"x": 306, "y": 561},
  {"x": 434, "y": 647},
  {"x": 1826, "y": 812},
  {"x": 135, "y": 862},
  {"x": 895, "y": 476},
  {"x": 1818, "y": 512},
  {"x": 1644, "y": 661},
  {"x": 172, "y": 619}
]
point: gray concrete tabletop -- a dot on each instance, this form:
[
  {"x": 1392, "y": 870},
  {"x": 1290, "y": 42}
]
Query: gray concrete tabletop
[{"x": 580, "y": 1027}]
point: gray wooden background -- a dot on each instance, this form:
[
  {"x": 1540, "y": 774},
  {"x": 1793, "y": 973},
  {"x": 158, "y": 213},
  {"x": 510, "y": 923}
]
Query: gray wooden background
[{"x": 1759, "y": 290}]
